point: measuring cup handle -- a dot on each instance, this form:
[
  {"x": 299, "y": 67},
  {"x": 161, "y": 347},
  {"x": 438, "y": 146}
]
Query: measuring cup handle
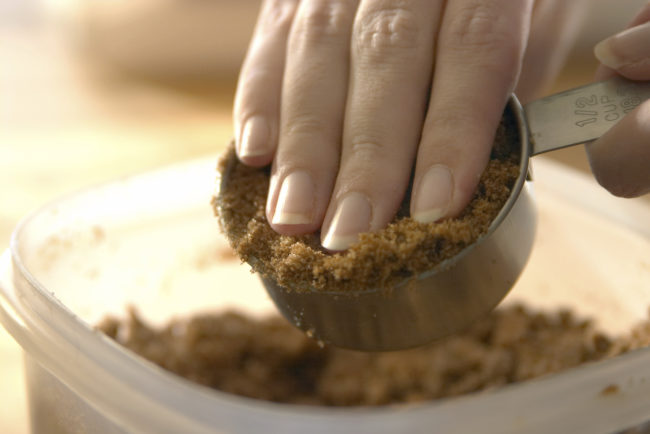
[{"x": 582, "y": 114}]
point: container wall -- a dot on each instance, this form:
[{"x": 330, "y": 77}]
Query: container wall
[
  {"x": 55, "y": 409},
  {"x": 163, "y": 255}
]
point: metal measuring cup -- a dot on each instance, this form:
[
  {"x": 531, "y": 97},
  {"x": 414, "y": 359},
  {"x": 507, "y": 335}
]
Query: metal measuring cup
[{"x": 464, "y": 288}]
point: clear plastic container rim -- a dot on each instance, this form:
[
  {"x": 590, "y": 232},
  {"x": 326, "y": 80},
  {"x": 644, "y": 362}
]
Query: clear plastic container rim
[{"x": 123, "y": 386}]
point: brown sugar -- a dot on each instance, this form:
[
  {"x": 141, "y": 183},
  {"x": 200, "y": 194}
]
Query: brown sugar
[
  {"x": 271, "y": 360},
  {"x": 378, "y": 260}
]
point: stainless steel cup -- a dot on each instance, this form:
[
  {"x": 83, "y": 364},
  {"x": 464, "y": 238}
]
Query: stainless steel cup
[{"x": 452, "y": 295}]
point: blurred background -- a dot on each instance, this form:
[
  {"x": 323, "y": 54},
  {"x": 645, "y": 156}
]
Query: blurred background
[{"x": 93, "y": 90}]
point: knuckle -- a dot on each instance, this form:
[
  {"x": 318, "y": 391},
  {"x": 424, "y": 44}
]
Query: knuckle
[
  {"x": 366, "y": 149},
  {"x": 305, "y": 125},
  {"x": 277, "y": 15},
  {"x": 451, "y": 117},
  {"x": 476, "y": 25},
  {"x": 254, "y": 82},
  {"x": 323, "y": 21},
  {"x": 455, "y": 119},
  {"x": 480, "y": 29},
  {"x": 385, "y": 31}
]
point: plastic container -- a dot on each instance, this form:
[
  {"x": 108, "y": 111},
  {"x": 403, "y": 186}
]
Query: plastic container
[{"x": 152, "y": 241}]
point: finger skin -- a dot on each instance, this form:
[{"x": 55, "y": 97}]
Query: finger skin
[
  {"x": 313, "y": 103},
  {"x": 391, "y": 63},
  {"x": 256, "y": 109},
  {"x": 627, "y": 52},
  {"x": 620, "y": 159},
  {"x": 480, "y": 50},
  {"x": 603, "y": 72}
]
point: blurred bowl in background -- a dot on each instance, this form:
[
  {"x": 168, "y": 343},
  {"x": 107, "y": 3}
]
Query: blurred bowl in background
[
  {"x": 185, "y": 39},
  {"x": 168, "y": 38}
]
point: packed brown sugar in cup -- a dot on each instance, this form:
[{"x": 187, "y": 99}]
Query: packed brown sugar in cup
[{"x": 379, "y": 259}]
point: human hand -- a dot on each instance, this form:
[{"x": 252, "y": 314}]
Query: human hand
[
  {"x": 620, "y": 159},
  {"x": 336, "y": 94}
]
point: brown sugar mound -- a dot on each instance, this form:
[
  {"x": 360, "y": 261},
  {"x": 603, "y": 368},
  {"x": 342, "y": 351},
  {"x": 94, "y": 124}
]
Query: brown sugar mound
[
  {"x": 379, "y": 259},
  {"x": 271, "y": 360}
]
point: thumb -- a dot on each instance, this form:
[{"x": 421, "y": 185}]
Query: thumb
[
  {"x": 620, "y": 159},
  {"x": 628, "y": 52}
]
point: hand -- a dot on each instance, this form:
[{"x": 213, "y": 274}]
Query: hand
[
  {"x": 336, "y": 94},
  {"x": 620, "y": 159}
]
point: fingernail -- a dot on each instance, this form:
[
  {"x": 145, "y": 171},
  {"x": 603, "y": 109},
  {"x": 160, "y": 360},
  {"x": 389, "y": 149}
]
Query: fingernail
[
  {"x": 352, "y": 217},
  {"x": 433, "y": 196},
  {"x": 295, "y": 201},
  {"x": 625, "y": 48},
  {"x": 254, "y": 139}
]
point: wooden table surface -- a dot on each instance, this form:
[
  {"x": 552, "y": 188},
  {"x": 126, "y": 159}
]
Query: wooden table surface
[{"x": 64, "y": 125}]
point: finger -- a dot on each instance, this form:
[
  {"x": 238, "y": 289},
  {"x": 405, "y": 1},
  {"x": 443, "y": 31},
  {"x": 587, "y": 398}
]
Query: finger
[
  {"x": 480, "y": 48},
  {"x": 620, "y": 158},
  {"x": 604, "y": 72},
  {"x": 554, "y": 28},
  {"x": 391, "y": 58},
  {"x": 257, "y": 101},
  {"x": 313, "y": 103},
  {"x": 628, "y": 52}
]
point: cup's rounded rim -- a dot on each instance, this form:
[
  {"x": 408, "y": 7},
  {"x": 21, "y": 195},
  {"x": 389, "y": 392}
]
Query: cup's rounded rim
[{"x": 518, "y": 113}]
